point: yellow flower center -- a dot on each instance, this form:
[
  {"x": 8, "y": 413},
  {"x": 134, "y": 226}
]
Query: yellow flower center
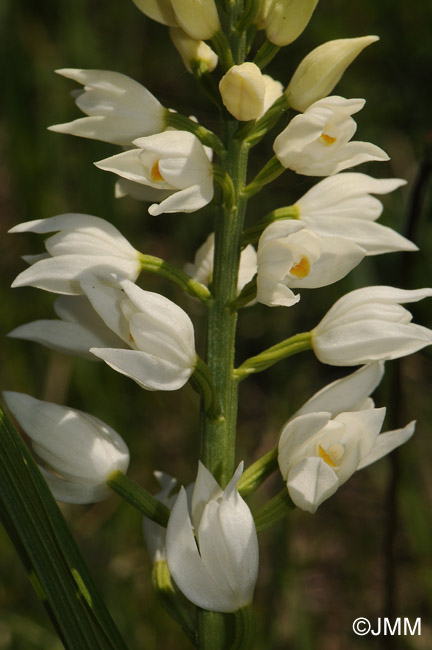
[
  {"x": 333, "y": 455},
  {"x": 327, "y": 139},
  {"x": 301, "y": 269},
  {"x": 155, "y": 173}
]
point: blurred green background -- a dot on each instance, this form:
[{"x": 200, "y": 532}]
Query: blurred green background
[{"x": 365, "y": 552}]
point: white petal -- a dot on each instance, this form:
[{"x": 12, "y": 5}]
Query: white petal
[
  {"x": 347, "y": 393},
  {"x": 184, "y": 561},
  {"x": 189, "y": 200},
  {"x": 149, "y": 372},
  {"x": 206, "y": 488},
  {"x": 62, "y": 274},
  {"x": 296, "y": 434},
  {"x": 386, "y": 442},
  {"x": 311, "y": 482},
  {"x": 77, "y": 493},
  {"x": 367, "y": 341}
]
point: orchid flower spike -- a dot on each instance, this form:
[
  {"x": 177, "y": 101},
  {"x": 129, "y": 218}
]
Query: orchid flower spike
[
  {"x": 83, "y": 243},
  {"x": 317, "y": 142},
  {"x": 160, "y": 335},
  {"x": 369, "y": 325},
  {"x": 292, "y": 256},
  {"x": 174, "y": 162},
  {"x": 318, "y": 452},
  {"x": 80, "y": 450},
  {"x": 342, "y": 206},
  {"x": 119, "y": 109},
  {"x": 212, "y": 551}
]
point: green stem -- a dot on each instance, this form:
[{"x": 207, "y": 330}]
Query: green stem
[
  {"x": 268, "y": 173},
  {"x": 218, "y": 436},
  {"x": 274, "y": 511},
  {"x": 139, "y": 498},
  {"x": 244, "y": 629},
  {"x": 269, "y": 357},
  {"x": 257, "y": 473},
  {"x": 157, "y": 266},
  {"x": 212, "y": 631},
  {"x": 265, "y": 54}
]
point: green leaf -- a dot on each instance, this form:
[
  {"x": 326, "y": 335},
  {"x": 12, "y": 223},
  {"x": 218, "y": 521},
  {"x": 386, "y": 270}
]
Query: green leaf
[{"x": 47, "y": 549}]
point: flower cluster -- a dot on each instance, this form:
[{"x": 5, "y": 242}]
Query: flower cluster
[{"x": 174, "y": 163}]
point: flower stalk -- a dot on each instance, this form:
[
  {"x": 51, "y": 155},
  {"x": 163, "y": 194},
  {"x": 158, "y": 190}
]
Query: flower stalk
[{"x": 286, "y": 348}]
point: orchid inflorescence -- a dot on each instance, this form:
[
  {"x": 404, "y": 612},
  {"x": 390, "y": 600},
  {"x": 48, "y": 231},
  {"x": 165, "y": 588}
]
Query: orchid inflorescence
[{"x": 175, "y": 164}]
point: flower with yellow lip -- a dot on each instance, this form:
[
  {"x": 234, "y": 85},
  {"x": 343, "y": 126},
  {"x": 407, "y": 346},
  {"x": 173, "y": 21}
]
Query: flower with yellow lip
[
  {"x": 317, "y": 142},
  {"x": 319, "y": 452},
  {"x": 292, "y": 256},
  {"x": 174, "y": 163}
]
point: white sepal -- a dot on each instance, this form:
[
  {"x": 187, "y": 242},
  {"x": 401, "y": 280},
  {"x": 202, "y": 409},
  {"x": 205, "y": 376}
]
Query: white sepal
[
  {"x": 342, "y": 206},
  {"x": 369, "y": 325},
  {"x": 83, "y": 244}
]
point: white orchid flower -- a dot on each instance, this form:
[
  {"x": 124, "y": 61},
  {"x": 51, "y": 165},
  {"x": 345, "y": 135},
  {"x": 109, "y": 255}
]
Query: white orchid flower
[
  {"x": 292, "y": 256},
  {"x": 368, "y": 325},
  {"x": 212, "y": 552},
  {"x": 318, "y": 452},
  {"x": 155, "y": 534},
  {"x": 317, "y": 142},
  {"x": 342, "y": 206},
  {"x": 84, "y": 243},
  {"x": 202, "y": 268},
  {"x": 81, "y": 451},
  {"x": 174, "y": 162},
  {"x": 78, "y": 329},
  {"x": 159, "y": 333},
  {"x": 119, "y": 109}
]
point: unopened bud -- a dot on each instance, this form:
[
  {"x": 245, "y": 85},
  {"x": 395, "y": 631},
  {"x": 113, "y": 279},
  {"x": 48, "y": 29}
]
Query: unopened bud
[
  {"x": 193, "y": 52},
  {"x": 243, "y": 91},
  {"x": 321, "y": 69},
  {"x": 199, "y": 18},
  {"x": 285, "y": 20}
]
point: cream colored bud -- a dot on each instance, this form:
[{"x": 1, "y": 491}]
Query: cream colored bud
[
  {"x": 199, "y": 18},
  {"x": 285, "y": 20},
  {"x": 243, "y": 91},
  {"x": 321, "y": 69},
  {"x": 159, "y": 10},
  {"x": 193, "y": 51}
]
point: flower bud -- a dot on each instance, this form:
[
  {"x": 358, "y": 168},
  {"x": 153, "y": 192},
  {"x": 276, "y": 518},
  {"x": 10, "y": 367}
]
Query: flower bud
[
  {"x": 285, "y": 20},
  {"x": 193, "y": 51},
  {"x": 243, "y": 90},
  {"x": 199, "y": 18},
  {"x": 321, "y": 69}
]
